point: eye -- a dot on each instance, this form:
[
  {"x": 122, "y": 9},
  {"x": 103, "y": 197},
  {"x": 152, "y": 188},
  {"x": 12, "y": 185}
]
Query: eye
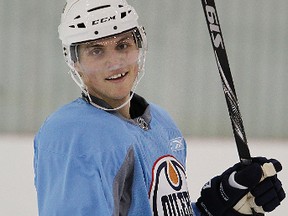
[
  {"x": 96, "y": 51},
  {"x": 122, "y": 46}
]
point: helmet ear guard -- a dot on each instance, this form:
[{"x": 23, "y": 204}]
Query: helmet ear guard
[
  {"x": 140, "y": 37},
  {"x": 74, "y": 53}
]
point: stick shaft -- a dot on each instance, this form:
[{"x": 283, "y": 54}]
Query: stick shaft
[{"x": 227, "y": 80}]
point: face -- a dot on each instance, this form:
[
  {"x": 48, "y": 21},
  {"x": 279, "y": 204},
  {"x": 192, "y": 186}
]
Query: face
[{"x": 109, "y": 67}]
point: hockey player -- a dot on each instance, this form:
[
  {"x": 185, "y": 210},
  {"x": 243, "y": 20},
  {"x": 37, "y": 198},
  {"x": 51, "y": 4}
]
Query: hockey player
[{"x": 111, "y": 152}]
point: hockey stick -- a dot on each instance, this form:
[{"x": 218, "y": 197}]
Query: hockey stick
[{"x": 227, "y": 80}]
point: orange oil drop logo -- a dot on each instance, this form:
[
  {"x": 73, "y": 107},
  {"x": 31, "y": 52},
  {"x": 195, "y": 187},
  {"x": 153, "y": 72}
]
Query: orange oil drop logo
[{"x": 173, "y": 174}]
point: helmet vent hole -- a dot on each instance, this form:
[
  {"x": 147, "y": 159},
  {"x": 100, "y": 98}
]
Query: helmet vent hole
[
  {"x": 98, "y": 8},
  {"x": 129, "y": 11},
  {"x": 123, "y": 14},
  {"x": 120, "y": 6},
  {"x": 77, "y": 17},
  {"x": 81, "y": 25},
  {"x": 96, "y": 32},
  {"x": 115, "y": 27},
  {"x": 72, "y": 26}
]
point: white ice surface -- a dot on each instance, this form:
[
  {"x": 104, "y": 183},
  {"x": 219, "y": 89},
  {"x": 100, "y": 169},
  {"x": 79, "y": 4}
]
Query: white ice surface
[{"x": 206, "y": 158}]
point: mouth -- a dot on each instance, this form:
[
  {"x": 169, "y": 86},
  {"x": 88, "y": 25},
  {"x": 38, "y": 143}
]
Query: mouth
[{"x": 117, "y": 76}]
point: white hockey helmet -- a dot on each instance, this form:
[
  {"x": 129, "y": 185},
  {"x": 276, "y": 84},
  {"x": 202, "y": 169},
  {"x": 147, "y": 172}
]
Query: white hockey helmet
[{"x": 85, "y": 20}]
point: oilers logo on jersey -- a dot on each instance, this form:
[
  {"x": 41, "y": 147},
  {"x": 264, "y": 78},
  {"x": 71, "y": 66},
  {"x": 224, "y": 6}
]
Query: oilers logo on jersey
[{"x": 168, "y": 190}]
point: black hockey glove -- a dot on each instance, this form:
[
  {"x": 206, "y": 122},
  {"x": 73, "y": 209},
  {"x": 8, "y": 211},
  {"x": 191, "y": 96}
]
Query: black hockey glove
[{"x": 243, "y": 190}]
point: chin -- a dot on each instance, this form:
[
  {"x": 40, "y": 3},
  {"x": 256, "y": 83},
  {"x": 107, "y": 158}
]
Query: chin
[{"x": 122, "y": 97}]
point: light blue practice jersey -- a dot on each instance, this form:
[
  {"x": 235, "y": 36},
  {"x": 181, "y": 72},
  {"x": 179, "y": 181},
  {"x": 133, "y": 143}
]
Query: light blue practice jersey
[{"x": 91, "y": 162}]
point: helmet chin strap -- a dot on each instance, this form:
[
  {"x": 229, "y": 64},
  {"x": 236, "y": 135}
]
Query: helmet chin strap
[{"x": 136, "y": 82}]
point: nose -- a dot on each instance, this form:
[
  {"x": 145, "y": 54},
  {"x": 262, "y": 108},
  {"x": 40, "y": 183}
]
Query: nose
[{"x": 114, "y": 60}]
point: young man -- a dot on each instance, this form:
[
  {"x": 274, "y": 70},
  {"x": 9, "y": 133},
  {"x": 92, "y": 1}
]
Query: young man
[{"x": 111, "y": 152}]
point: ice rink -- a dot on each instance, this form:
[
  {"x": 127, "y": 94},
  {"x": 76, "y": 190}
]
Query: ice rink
[{"x": 206, "y": 158}]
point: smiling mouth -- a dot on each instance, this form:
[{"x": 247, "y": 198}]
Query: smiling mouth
[{"x": 117, "y": 76}]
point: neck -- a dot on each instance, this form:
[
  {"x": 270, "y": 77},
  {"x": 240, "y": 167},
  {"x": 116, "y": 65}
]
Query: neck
[{"x": 125, "y": 111}]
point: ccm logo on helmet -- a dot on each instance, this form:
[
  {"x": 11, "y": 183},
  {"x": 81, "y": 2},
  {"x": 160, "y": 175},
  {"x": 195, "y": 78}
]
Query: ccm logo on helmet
[{"x": 103, "y": 20}]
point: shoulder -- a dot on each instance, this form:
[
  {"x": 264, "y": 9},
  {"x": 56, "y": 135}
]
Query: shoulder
[
  {"x": 79, "y": 115},
  {"x": 158, "y": 110},
  {"x": 79, "y": 128},
  {"x": 161, "y": 115},
  {"x": 71, "y": 111}
]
